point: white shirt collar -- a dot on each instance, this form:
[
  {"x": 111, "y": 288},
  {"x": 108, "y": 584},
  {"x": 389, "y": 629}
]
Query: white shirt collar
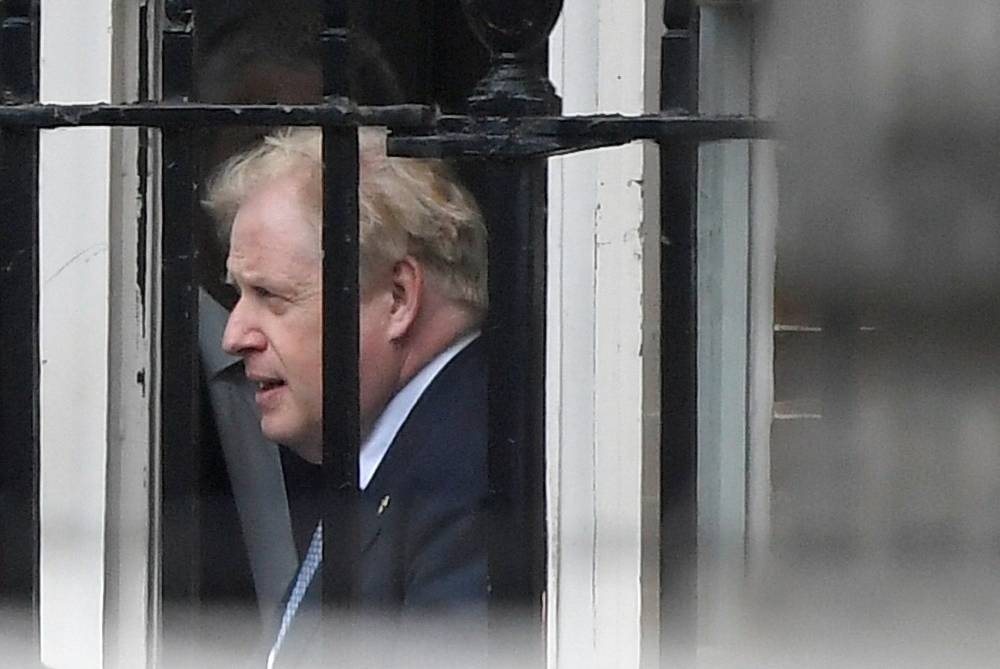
[{"x": 398, "y": 410}]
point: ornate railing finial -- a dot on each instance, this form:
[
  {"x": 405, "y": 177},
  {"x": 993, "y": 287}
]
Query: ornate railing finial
[{"x": 513, "y": 30}]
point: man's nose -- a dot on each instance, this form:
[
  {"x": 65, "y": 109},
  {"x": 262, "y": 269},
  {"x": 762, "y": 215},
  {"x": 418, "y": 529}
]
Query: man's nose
[{"x": 241, "y": 335}]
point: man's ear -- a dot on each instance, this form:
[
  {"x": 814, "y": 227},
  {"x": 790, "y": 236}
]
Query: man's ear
[{"x": 406, "y": 283}]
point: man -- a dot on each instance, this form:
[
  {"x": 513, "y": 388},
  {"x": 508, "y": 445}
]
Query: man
[
  {"x": 257, "y": 502},
  {"x": 422, "y": 367}
]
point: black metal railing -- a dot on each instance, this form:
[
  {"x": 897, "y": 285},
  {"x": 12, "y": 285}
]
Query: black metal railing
[
  {"x": 19, "y": 344},
  {"x": 514, "y": 126},
  {"x": 422, "y": 127},
  {"x": 679, "y": 333}
]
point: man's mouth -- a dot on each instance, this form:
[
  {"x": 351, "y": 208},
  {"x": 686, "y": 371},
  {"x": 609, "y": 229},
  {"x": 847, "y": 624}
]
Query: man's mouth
[
  {"x": 267, "y": 392},
  {"x": 269, "y": 384}
]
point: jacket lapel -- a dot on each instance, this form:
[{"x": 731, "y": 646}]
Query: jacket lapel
[{"x": 378, "y": 505}]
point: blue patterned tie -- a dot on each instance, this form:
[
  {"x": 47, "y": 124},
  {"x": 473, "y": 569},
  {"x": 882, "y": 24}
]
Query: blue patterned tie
[{"x": 314, "y": 557}]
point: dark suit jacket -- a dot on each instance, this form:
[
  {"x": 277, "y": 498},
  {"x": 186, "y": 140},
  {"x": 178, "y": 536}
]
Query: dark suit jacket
[{"x": 423, "y": 561}]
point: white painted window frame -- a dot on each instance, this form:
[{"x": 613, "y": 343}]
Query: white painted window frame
[
  {"x": 737, "y": 214},
  {"x": 603, "y": 350},
  {"x": 96, "y": 329},
  {"x": 603, "y": 395},
  {"x": 723, "y": 269}
]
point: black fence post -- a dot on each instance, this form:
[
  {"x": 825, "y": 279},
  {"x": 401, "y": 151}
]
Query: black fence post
[
  {"x": 177, "y": 51},
  {"x": 512, "y": 195},
  {"x": 341, "y": 377},
  {"x": 19, "y": 348},
  {"x": 341, "y": 413},
  {"x": 180, "y": 438},
  {"x": 334, "y": 48},
  {"x": 679, "y": 359}
]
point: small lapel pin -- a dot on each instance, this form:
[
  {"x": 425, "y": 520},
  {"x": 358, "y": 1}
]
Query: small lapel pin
[{"x": 383, "y": 505}]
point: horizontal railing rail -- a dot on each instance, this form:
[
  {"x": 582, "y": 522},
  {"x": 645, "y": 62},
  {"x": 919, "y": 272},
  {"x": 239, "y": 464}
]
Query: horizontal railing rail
[{"x": 418, "y": 130}]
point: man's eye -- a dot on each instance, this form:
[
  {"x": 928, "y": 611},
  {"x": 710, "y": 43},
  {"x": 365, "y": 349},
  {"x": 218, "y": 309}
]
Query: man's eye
[{"x": 263, "y": 292}]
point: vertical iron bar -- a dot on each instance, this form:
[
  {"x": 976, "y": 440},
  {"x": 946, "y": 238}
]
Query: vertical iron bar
[
  {"x": 341, "y": 389},
  {"x": 180, "y": 424},
  {"x": 19, "y": 349},
  {"x": 512, "y": 197},
  {"x": 341, "y": 415},
  {"x": 679, "y": 373},
  {"x": 334, "y": 48},
  {"x": 180, "y": 433},
  {"x": 177, "y": 52}
]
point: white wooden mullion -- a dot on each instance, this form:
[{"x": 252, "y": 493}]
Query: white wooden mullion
[
  {"x": 132, "y": 385},
  {"x": 603, "y": 350},
  {"x": 763, "y": 259},
  {"x": 735, "y": 282},
  {"x": 570, "y": 344},
  {"x": 93, "y": 492}
]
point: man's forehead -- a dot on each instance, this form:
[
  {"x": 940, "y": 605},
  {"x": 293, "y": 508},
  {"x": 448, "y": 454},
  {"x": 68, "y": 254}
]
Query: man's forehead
[
  {"x": 283, "y": 191},
  {"x": 267, "y": 252},
  {"x": 275, "y": 216}
]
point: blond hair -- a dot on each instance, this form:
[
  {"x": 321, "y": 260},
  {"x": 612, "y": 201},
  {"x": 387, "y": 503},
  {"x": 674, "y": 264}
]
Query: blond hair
[{"x": 407, "y": 206}]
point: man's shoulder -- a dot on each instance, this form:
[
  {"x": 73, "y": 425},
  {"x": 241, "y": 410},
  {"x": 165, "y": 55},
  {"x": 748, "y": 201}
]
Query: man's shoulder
[{"x": 458, "y": 393}]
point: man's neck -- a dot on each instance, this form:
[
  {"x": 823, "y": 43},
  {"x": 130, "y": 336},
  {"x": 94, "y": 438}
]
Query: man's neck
[
  {"x": 434, "y": 332},
  {"x": 376, "y": 441},
  {"x": 421, "y": 347}
]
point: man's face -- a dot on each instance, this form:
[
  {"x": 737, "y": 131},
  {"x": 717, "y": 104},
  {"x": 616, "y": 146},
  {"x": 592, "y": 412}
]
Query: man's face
[{"x": 276, "y": 326}]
